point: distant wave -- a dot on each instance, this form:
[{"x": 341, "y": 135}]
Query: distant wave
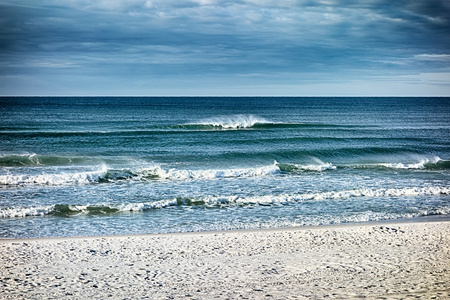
[
  {"x": 431, "y": 164},
  {"x": 233, "y": 122},
  {"x": 239, "y": 122},
  {"x": 103, "y": 209},
  {"x": 25, "y": 159},
  {"x": 33, "y": 159},
  {"x": 427, "y": 163},
  {"x": 298, "y": 152},
  {"x": 243, "y": 122},
  {"x": 434, "y": 163},
  {"x": 318, "y": 167}
]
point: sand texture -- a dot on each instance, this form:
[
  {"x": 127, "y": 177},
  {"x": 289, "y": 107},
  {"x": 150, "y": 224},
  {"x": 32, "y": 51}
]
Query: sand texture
[{"x": 390, "y": 261}]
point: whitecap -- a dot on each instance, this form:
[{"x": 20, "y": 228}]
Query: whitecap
[
  {"x": 233, "y": 121},
  {"x": 21, "y": 212},
  {"x": 63, "y": 178},
  {"x": 318, "y": 167},
  {"x": 418, "y": 165},
  {"x": 186, "y": 174},
  {"x": 211, "y": 200}
]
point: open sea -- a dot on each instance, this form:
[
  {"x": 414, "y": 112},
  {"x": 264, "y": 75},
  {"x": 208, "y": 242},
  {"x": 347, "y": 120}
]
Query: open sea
[{"x": 83, "y": 166}]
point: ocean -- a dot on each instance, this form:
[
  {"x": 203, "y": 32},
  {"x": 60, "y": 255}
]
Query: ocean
[{"x": 84, "y": 166}]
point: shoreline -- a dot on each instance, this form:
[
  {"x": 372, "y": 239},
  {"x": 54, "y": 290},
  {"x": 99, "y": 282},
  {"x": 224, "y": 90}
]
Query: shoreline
[
  {"x": 423, "y": 219},
  {"x": 394, "y": 260}
]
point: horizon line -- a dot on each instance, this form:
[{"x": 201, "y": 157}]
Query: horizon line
[{"x": 241, "y": 96}]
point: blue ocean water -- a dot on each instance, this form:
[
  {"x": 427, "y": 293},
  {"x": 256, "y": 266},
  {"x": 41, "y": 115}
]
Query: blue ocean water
[{"x": 72, "y": 166}]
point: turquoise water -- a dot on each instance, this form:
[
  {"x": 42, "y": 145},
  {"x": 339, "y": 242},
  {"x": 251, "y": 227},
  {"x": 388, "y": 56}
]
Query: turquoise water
[{"x": 111, "y": 165}]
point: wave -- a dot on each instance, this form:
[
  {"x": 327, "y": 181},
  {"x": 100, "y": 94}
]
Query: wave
[
  {"x": 238, "y": 122},
  {"x": 244, "y": 122},
  {"x": 26, "y": 159},
  {"x": 219, "y": 201},
  {"x": 174, "y": 174},
  {"x": 299, "y": 152},
  {"x": 67, "y": 210},
  {"x": 232, "y": 122},
  {"x": 434, "y": 164},
  {"x": 104, "y": 174},
  {"x": 276, "y": 168},
  {"x": 33, "y": 159},
  {"x": 318, "y": 167},
  {"x": 64, "y": 178}
]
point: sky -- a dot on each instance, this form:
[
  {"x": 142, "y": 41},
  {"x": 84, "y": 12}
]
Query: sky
[{"x": 225, "y": 47}]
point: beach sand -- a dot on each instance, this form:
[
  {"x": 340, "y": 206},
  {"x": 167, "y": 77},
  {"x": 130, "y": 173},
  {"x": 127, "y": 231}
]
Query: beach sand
[{"x": 377, "y": 261}]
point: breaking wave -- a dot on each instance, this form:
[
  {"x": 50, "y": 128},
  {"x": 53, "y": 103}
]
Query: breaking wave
[
  {"x": 318, "y": 167},
  {"x": 435, "y": 163},
  {"x": 218, "y": 201},
  {"x": 233, "y": 122},
  {"x": 243, "y": 122},
  {"x": 103, "y": 174},
  {"x": 63, "y": 178},
  {"x": 155, "y": 172},
  {"x": 176, "y": 174}
]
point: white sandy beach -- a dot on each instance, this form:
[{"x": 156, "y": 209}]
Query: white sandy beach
[{"x": 378, "y": 261}]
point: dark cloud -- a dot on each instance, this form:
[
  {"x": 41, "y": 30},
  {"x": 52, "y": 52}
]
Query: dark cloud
[{"x": 259, "y": 41}]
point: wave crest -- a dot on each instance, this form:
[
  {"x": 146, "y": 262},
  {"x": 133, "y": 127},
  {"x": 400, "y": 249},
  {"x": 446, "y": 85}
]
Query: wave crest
[
  {"x": 156, "y": 172},
  {"x": 101, "y": 209},
  {"x": 64, "y": 178},
  {"x": 232, "y": 122},
  {"x": 34, "y": 160},
  {"x": 318, "y": 167},
  {"x": 174, "y": 174},
  {"x": 104, "y": 174},
  {"x": 435, "y": 163}
]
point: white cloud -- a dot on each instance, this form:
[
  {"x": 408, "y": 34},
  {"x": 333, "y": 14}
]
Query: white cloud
[
  {"x": 433, "y": 57},
  {"x": 206, "y": 2}
]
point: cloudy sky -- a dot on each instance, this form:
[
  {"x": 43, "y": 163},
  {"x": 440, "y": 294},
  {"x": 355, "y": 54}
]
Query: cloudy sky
[{"x": 225, "y": 47}]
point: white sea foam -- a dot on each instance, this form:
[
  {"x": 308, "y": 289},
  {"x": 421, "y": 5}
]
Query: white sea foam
[
  {"x": 233, "y": 122},
  {"x": 286, "y": 198},
  {"x": 318, "y": 167},
  {"x": 26, "y": 211},
  {"x": 147, "y": 205},
  {"x": 178, "y": 174},
  {"x": 393, "y": 192},
  {"x": 151, "y": 172},
  {"x": 323, "y": 167},
  {"x": 419, "y": 165},
  {"x": 235, "y": 200},
  {"x": 63, "y": 178}
]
